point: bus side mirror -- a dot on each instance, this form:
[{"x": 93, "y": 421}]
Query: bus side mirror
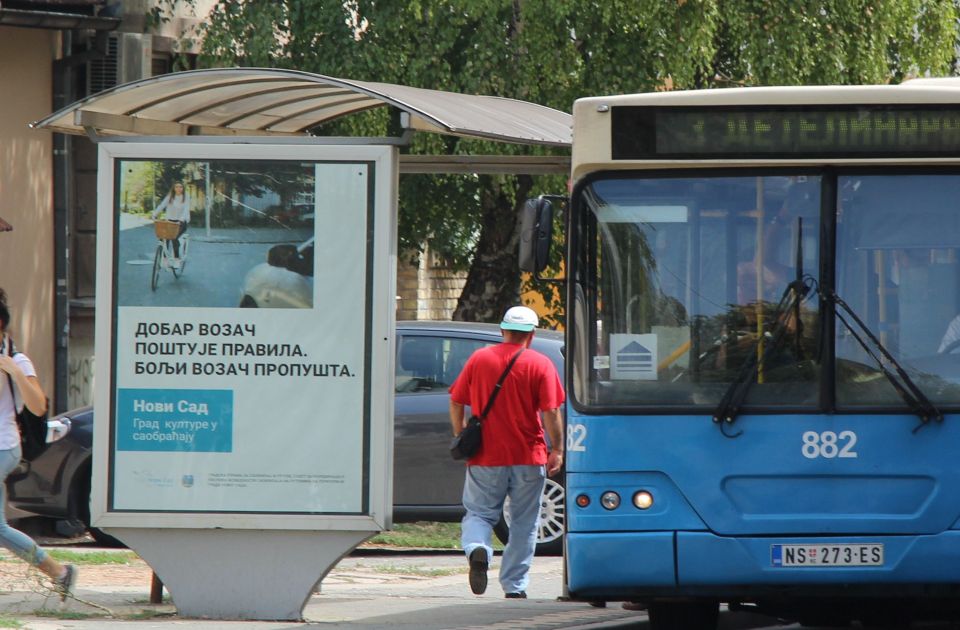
[{"x": 536, "y": 234}]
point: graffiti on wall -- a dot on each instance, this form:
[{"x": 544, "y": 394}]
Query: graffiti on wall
[{"x": 80, "y": 382}]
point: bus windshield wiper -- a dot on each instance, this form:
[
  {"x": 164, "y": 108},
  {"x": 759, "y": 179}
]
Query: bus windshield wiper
[
  {"x": 795, "y": 292},
  {"x": 789, "y": 305},
  {"x": 905, "y": 387}
]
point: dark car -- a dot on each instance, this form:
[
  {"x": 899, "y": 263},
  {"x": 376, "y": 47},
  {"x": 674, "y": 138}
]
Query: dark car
[
  {"x": 56, "y": 481},
  {"x": 427, "y": 482}
]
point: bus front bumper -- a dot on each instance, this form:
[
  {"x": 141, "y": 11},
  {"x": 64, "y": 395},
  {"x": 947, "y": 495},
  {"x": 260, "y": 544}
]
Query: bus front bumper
[{"x": 640, "y": 565}]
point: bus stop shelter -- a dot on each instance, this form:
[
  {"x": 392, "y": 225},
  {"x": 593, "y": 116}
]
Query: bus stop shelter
[
  {"x": 289, "y": 103},
  {"x": 201, "y": 547}
]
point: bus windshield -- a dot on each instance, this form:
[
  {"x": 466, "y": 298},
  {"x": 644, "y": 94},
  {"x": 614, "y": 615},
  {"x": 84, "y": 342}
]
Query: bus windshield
[{"x": 679, "y": 283}]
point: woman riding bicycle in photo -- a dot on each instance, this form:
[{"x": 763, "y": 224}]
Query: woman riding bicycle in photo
[{"x": 177, "y": 206}]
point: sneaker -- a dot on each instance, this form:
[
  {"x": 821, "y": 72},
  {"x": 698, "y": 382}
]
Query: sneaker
[
  {"x": 177, "y": 263},
  {"x": 64, "y": 585},
  {"x": 478, "y": 571},
  {"x": 517, "y": 595}
]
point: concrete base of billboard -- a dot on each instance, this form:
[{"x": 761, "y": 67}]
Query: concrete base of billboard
[{"x": 240, "y": 573}]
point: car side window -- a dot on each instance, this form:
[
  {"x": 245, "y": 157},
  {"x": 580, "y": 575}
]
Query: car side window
[
  {"x": 431, "y": 364},
  {"x": 458, "y": 351}
]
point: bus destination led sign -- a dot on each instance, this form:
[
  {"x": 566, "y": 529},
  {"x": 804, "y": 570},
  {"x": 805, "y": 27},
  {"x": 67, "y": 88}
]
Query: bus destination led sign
[{"x": 784, "y": 132}]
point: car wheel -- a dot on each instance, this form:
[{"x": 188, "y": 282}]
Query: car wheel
[
  {"x": 248, "y": 302},
  {"x": 550, "y": 522},
  {"x": 80, "y": 509},
  {"x": 104, "y": 539}
]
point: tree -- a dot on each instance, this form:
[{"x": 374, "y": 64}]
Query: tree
[{"x": 552, "y": 53}]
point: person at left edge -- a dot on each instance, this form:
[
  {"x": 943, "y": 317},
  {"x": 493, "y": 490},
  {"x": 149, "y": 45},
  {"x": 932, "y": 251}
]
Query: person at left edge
[
  {"x": 27, "y": 391},
  {"x": 513, "y": 460}
]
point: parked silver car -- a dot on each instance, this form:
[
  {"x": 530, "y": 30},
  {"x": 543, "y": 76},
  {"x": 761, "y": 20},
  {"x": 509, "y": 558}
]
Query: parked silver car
[{"x": 427, "y": 482}]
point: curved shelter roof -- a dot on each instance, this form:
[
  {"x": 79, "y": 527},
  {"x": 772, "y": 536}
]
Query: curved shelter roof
[{"x": 267, "y": 101}]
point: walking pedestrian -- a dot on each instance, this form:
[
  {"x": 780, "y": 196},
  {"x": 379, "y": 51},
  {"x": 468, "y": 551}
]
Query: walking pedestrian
[
  {"x": 19, "y": 386},
  {"x": 513, "y": 460}
]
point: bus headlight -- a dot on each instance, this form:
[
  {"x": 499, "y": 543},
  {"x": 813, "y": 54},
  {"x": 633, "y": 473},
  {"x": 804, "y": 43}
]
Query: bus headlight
[
  {"x": 583, "y": 500},
  {"x": 643, "y": 500},
  {"x": 610, "y": 500}
]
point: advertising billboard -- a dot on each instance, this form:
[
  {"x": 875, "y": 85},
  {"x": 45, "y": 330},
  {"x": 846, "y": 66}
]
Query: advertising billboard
[{"x": 245, "y": 306}]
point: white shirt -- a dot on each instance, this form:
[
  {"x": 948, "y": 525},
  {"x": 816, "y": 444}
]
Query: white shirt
[
  {"x": 178, "y": 208},
  {"x": 9, "y": 433}
]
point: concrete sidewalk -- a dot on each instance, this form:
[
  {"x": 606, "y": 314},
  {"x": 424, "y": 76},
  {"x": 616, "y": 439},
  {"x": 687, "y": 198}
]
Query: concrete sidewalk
[{"x": 424, "y": 591}]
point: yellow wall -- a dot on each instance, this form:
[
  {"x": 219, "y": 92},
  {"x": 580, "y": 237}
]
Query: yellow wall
[
  {"x": 534, "y": 300},
  {"x": 26, "y": 193}
]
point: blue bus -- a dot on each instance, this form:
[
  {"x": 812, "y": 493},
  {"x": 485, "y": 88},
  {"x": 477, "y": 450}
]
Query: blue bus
[{"x": 763, "y": 352}]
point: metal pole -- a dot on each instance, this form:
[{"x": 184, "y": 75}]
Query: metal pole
[
  {"x": 207, "y": 200},
  {"x": 62, "y": 201},
  {"x": 156, "y": 589}
]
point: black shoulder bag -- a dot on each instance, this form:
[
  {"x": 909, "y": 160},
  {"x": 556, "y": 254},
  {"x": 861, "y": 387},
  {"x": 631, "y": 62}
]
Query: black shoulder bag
[
  {"x": 466, "y": 445},
  {"x": 33, "y": 428}
]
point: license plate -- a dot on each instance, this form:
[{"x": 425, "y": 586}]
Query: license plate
[{"x": 856, "y": 555}]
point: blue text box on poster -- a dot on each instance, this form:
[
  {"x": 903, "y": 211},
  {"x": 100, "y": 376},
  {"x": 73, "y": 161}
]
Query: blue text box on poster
[{"x": 191, "y": 420}]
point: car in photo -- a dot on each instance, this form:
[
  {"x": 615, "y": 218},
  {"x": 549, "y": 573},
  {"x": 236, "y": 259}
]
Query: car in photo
[
  {"x": 285, "y": 280},
  {"x": 427, "y": 482}
]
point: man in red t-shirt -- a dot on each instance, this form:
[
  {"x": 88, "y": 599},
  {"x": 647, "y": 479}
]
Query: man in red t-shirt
[{"x": 511, "y": 459}]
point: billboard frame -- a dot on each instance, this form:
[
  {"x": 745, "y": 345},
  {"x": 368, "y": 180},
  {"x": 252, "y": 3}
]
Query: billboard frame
[{"x": 380, "y": 335}]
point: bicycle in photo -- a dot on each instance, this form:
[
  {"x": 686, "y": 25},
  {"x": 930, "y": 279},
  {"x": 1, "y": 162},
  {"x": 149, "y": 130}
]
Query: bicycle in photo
[{"x": 167, "y": 232}]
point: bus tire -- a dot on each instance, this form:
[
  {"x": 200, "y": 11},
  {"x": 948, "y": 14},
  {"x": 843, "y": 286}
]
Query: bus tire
[{"x": 689, "y": 615}]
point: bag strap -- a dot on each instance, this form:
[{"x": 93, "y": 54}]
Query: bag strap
[
  {"x": 13, "y": 388},
  {"x": 8, "y": 344},
  {"x": 496, "y": 388}
]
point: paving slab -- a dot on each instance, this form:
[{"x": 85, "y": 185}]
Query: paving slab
[{"x": 426, "y": 591}]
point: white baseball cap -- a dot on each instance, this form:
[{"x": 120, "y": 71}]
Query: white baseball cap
[{"x": 520, "y": 318}]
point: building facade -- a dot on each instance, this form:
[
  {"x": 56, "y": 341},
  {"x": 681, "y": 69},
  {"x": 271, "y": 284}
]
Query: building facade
[
  {"x": 52, "y": 54},
  {"x": 26, "y": 191}
]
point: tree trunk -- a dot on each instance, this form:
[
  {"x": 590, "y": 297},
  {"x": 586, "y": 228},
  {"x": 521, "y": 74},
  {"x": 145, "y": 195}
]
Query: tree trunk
[{"x": 493, "y": 282}]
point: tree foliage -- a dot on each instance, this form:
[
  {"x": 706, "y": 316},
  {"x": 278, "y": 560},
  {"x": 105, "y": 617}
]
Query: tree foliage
[{"x": 552, "y": 53}]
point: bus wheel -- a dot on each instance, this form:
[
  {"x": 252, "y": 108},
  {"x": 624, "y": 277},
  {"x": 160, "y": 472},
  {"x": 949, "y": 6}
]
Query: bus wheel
[
  {"x": 696, "y": 615},
  {"x": 886, "y": 618}
]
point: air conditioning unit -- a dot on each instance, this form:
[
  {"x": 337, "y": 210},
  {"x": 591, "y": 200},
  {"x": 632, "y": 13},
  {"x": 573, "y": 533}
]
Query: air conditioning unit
[{"x": 128, "y": 58}]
